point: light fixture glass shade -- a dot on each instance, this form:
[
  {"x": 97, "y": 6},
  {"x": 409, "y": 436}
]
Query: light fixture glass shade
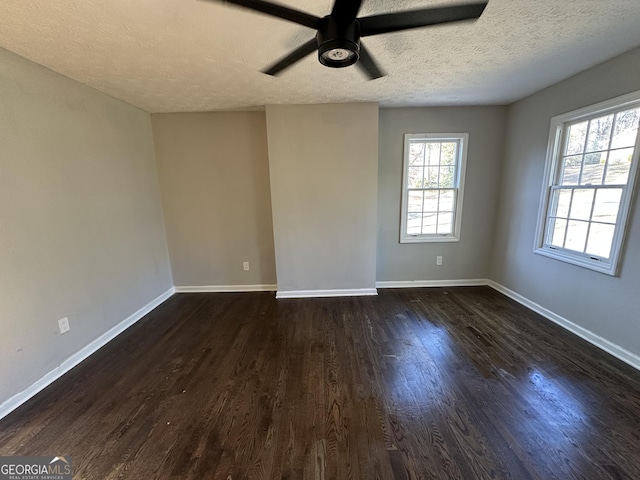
[{"x": 338, "y": 53}]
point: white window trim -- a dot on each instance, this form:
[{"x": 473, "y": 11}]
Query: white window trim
[
  {"x": 463, "y": 138},
  {"x": 609, "y": 266}
]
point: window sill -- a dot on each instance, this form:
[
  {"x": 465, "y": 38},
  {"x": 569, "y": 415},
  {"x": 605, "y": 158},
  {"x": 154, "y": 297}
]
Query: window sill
[
  {"x": 578, "y": 260},
  {"x": 424, "y": 239}
]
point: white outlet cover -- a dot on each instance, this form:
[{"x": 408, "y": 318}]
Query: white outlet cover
[{"x": 63, "y": 325}]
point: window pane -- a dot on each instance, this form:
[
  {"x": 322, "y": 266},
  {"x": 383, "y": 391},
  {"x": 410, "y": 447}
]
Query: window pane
[
  {"x": 607, "y": 205},
  {"x": 431, "y": 201},
  {"x": 626, "y": 129},
  {"x": 561, "y": 201},
  {"x": 446, "y": 200},
  {"x": 571, "y": 170},
  {"x": 581, "y": 204},
  {"x": 445, "y": 225},
  {"x": 416, "y": 153},
  {"x": 576, "y": 235},
  {"x": 429, "y": 223},
  {"x": 413, "y": 223},
  {"x": 433, "y": 153},
  {"x": 448, "y": 154},
  {"x": 415, "y": 201},
  {"x": 600, "y": 240},
  {"x": 575, "y": 138},
  {"x": 558, "y": 229},
  {"x": 618, "y": 167},
  {"x": 430, "y": 177},
  {"x": 415, "y": 177},
  {"x": 599, "y": 133},
  {"x": 593, "y": 168},
  {"x": 447, "y": 177}
]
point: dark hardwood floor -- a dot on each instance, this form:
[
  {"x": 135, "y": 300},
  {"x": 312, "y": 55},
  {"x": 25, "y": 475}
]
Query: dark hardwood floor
[{"x": 420, "y": 383}]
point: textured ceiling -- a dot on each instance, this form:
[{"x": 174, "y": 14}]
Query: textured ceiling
[{"x": 192, "y": 55}]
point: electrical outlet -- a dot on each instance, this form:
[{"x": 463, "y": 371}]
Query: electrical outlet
[
  {"x": 63, "y": 325},
  {"x": 245, "y": 265},
  {"x": 439, "y": 260}
]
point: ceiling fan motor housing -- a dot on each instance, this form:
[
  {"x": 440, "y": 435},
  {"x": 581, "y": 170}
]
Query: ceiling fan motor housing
[{"x": 338, "y": 45}]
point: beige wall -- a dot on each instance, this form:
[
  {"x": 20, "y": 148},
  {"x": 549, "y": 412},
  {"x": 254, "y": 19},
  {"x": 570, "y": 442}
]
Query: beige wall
[
  {"x": 81, "y": 228},
  {"x": 605, "y": 305},
  {"x": 470, "y": 257},
  {"x": 214, "y": 178},
  {"x": 323, "y": 168}
]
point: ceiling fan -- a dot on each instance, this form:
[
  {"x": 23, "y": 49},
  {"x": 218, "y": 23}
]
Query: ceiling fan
[{"x": 338, "y": 34}]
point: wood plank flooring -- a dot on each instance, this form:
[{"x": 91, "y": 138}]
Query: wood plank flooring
[{"x": 445, "y": 383}]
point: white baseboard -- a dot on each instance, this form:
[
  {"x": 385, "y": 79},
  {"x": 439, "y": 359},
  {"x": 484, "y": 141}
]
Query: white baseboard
[
  {"x": 226, "y": 288},
  {"x": 14, "y": 402},
  {"x": 602, "y": 343},
  {"x": 348, "y": 292},
  {"x": 473, "y": 282}
]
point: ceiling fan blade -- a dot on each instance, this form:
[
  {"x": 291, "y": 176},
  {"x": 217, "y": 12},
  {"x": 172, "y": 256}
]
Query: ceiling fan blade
[
  {"x": 345, "y": 11},
  {"x": 392, "y": 22},
  {"x": 275, "y": 10},
  {"x": 295, "y": 56},
  {"x": 368, "y": 65}
]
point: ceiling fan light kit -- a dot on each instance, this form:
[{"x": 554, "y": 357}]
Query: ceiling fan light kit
[
  {"x": 338, "y": 34},
  {"x": 338, "y": 46}
]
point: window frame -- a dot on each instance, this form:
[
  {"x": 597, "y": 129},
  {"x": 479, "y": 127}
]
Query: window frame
[
  {"x": 557, "y": 138},
  {"x": 460, "y": 164}
]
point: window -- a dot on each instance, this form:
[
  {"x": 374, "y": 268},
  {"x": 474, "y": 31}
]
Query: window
[
  {"x": 432, "y": 186},
  {"x": 591, "y": 166}
]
